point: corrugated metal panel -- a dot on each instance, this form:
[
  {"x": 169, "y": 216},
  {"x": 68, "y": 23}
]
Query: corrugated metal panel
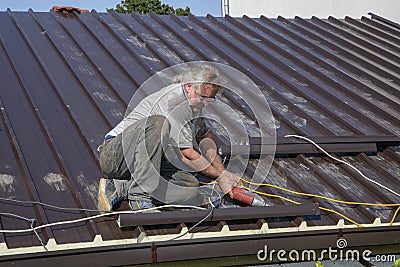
[{"x": 67, "y": 79}]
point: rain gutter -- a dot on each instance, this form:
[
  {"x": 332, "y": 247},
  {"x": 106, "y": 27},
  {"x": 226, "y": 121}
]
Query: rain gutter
[{"x": 206, "y": 248}]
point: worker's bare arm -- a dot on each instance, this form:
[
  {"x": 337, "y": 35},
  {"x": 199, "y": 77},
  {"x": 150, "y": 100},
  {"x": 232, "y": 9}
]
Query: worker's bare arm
[
  {"x": 197, "y": 162},
  {"x": 210, "y": 151}
]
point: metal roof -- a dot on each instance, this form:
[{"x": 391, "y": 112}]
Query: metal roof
[{"x": 67, "y": 78}]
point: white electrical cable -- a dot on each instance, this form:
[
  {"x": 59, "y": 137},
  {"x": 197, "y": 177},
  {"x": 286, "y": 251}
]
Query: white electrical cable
[
  {"x": 205, "y": 218},
  {"x": 344, "y": 162},
  {"x": 194, "y": 226},
  {"x": 47, "y": 205},
  {"x": 96, "y": 217},
  {"x": 34, "y": 229},
  {"x": 31, "y": 221}
]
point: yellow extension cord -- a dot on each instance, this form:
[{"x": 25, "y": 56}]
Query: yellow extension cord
[{"x": 318, "y": 196}]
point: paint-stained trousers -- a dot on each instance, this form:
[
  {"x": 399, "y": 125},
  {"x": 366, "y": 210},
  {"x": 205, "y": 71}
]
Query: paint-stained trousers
[{"x": 135, "y": 161}]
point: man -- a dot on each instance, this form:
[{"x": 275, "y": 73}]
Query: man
[{"x": 150, "y": 154}]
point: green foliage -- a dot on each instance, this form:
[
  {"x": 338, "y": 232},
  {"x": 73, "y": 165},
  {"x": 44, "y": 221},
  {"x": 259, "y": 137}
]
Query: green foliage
[
  {"x": 148, "y": 6},
  {"x": 319, "y": 264},
  {"x": 182, "y": 12},
  {"x": 396, "y": 263}
]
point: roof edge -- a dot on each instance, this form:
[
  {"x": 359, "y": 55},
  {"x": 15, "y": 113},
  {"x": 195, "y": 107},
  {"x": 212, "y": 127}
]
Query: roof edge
[
  {"x": 143, "y": 240},
  {"x": 385, "y": 20}
]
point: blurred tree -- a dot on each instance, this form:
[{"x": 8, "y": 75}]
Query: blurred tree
[{"x": 148, "y": 6}]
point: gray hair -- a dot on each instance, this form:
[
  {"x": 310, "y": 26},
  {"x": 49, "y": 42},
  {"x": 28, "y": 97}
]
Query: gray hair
[{"x": 200, "y": 77}]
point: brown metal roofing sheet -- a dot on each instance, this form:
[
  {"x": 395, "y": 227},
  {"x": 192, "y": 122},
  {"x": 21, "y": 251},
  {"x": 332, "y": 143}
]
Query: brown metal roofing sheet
[{"x": 67, "y": 79}]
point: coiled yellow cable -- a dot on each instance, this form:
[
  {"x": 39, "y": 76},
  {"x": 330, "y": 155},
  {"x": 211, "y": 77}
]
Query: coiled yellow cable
[
  {"x": 329, "y": 199},
  {"x": 394, "y": 216},
  {"x": 317, "y": 196},
  {"x": 295, "y": 202},
  {"x": 323, "y": 197}
]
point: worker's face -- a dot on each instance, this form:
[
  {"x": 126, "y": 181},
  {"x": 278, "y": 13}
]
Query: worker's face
[{"x": 198, "y": 101}]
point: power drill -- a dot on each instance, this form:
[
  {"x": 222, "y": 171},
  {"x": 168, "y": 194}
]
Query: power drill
[{"x": 248, "y": 198}]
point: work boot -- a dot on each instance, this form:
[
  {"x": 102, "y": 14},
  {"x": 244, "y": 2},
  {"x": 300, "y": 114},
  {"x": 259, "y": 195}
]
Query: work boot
[
  {"x": 142, "y": 204},
  {"x": 108, "y": 197}
]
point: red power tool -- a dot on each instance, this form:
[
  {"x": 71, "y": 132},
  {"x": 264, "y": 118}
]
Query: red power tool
[{"x": 246, "y": 197}]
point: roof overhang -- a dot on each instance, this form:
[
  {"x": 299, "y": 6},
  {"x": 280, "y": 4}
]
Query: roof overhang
[{"x": 210, "y": 247}]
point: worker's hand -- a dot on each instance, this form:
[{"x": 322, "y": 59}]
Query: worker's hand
[
  {"x": 239, "y": 184},
  {"x": 227, "y": 181}
]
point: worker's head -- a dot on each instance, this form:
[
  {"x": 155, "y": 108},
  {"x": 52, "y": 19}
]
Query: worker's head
[{"x": 202, "y": 84}]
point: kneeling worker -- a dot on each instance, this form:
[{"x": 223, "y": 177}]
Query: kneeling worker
[{"x": 138, "y": 155}]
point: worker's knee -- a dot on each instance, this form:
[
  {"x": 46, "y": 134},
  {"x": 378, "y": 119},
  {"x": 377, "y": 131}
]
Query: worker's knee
[{"x": 158, "y": 123}]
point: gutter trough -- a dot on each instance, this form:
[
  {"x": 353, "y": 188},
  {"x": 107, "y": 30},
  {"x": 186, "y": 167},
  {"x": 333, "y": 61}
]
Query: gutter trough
[{"x": 207, "y": 248}]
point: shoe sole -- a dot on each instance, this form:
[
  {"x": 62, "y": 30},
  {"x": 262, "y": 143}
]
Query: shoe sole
[{"x": 103, "y": 204}]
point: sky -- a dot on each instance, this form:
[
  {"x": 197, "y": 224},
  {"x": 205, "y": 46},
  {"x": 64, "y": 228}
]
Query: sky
[{"x": 197, "y": 7}]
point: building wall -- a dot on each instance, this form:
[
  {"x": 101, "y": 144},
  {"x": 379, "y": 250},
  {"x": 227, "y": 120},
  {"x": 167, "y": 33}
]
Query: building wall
[{"x": 389, "y": 9}]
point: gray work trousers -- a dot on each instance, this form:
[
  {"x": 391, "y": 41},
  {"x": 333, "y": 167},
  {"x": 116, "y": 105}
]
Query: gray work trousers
[{"x": 136, "y": 162}]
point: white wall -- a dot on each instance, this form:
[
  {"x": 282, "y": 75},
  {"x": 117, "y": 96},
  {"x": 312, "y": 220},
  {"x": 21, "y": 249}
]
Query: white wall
[{"x": 389, "y": 9}]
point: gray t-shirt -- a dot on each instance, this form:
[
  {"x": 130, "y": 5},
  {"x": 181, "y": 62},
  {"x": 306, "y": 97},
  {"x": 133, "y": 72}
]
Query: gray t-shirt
[{"x": 172, "y": 103}]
